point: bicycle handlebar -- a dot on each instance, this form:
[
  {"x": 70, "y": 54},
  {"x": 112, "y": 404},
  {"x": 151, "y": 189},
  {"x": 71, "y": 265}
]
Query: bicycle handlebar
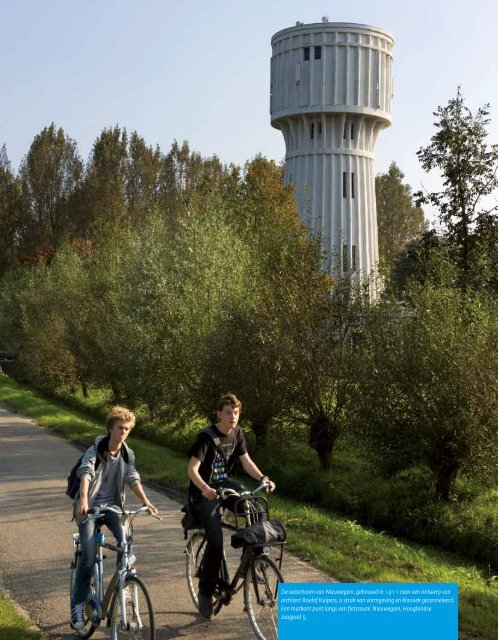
[
  {"x": 227, "y": 491},
  {"x": 97, "y": 512}
]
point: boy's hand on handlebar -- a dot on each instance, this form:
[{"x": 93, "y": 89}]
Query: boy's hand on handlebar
[
  {"x": 209, "y": 493},
  {"x": 271, "y": 485},
  {"x": 154, "y": 510},
  {"x": 83, "y": 506}
]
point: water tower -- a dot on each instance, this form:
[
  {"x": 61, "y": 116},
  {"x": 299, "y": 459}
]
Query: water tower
[{"x": 331, "y": 91}]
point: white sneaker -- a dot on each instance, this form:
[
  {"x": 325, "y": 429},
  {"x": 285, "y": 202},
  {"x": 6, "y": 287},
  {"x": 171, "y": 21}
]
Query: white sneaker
[{"x": 77, "y": 616}]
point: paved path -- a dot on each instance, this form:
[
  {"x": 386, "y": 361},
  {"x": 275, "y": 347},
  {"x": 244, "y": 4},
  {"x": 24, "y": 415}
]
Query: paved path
[{"x": 35, "y": 543}]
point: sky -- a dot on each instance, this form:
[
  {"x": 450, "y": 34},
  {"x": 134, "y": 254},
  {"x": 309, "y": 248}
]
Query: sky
[{"x": 200, "y": 71}]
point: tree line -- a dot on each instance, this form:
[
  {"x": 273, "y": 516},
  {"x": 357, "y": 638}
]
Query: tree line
[{"x": 170, "y": 278}]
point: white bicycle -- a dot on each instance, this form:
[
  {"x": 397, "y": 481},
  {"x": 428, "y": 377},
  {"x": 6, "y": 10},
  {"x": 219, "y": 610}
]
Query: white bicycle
[{"x": 125, "y": 604}]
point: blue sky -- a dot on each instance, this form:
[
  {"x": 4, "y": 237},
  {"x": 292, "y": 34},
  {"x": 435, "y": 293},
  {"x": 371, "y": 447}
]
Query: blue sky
[{"x": 199, "y": 70}]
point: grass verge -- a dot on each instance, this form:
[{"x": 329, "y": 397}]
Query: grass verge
[
  {"x": 13, "y": 625},
  {"x": 333, "y": 543}
]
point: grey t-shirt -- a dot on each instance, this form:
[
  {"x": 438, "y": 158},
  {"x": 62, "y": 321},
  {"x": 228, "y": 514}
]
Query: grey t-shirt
[{"x": 108, "y": 488}]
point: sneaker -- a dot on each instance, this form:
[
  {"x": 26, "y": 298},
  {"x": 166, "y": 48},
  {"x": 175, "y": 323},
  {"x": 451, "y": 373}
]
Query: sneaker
[
  {"x": 206, "y": 606},
  {"x": 77, "y": 616}
]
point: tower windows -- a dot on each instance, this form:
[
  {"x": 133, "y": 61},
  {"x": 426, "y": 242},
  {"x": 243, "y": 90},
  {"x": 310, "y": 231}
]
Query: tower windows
[
  {"x": 353, "y": 257},
  {"x": 317, "y": 129},
  {"x": 317, "y": 53},
  {"x": 348, "y": 130},
  {"x": 345, "y": 184}
]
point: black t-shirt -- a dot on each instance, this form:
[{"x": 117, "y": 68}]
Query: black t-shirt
[{"x": 213, "y": 469}]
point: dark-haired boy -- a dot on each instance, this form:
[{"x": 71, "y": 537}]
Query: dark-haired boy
[{"x": 208, "y": 471}]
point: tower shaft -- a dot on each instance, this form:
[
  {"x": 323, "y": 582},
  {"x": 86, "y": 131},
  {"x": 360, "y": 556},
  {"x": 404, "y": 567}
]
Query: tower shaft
[{"x": 331, "y": 92}]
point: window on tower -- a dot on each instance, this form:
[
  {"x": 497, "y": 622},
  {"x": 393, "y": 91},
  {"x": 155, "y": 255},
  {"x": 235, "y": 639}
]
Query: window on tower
[
  {"x": 319, "y": 128},
  {"x": 353, "y": 258},
  {"x": 312, "y": 131},
  {"x": 352, "y": 185},
  {"x": 344, "y": 184},
  {"x": 306, "y": 53},
  {"x": 348, "y": 130},
  {"x": 318, "y": 53}
]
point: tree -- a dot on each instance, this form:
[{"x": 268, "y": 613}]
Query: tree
[
  {"x": 427, "y": 384},
  {"x": 11, "y": 206},
  {"x": 399, "y": 220},
  {"x": 187, "y": 182},
  {"x": 318, "y": 353},
  {"x": 143, "y": 178},
  {"x": 424, "y": 259},
  {"x": 283, "y": 276},
  {"x": 102, "y": 199},
  {"x": 468, "y": 168},
  {"x": 50, "y": 173}
]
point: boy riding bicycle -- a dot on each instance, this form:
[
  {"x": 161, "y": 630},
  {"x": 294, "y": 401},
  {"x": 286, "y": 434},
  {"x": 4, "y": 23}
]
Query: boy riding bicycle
[
  {"x": 106, "y": 467},
  {"x": 212, "y": 458}
]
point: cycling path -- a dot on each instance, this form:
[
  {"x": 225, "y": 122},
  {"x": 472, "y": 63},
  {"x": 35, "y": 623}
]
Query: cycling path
[{"x": 35, "y": 543}]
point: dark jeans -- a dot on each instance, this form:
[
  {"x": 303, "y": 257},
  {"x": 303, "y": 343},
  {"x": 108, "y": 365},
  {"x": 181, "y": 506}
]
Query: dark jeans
[
  {"x": 207, "y": 512},
  {"x": 88, "y": 556}
]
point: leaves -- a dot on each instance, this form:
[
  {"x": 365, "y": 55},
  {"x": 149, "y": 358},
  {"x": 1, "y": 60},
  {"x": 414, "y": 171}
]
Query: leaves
[{"x": 468, "y": 168}]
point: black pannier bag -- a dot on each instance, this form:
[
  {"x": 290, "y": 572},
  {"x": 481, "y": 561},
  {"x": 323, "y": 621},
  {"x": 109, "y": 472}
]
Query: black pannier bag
[
  {"x": 261, "y": 533},
  {"x": 188, "y": 521}
]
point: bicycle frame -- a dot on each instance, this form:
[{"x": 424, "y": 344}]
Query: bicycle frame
[
  {"x": 102, "y": 599},
  {"x": 249, "y": 508},
  {"x": 255, "y": 573}
]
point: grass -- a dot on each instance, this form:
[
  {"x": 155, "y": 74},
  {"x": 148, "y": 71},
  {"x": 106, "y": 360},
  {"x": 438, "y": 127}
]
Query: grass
[
  {"x": 14, "y": 626},
  {"x": 333, "y": 543}
]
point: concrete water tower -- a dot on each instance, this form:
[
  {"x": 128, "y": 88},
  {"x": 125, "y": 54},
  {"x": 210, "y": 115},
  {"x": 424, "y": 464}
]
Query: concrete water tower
[{"x": 331, "y": 91}]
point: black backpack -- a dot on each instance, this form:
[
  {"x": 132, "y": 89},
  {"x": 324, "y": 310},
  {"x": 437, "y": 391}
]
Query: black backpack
[{"x": 74, "y": 481}]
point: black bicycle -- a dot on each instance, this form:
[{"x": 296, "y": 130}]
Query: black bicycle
[{"x": 257, "y": 573}]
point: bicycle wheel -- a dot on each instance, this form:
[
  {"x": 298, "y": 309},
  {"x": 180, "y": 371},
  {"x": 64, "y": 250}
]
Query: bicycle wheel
[
  {"x": 89, "y": 628},
  {"x": 261, "y": 597},
  {"x": 139, "y": 614},
  {"x": 193, "y": 559}
]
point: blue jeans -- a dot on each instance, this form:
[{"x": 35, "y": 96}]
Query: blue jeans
[{"x": 88, "y": 547}]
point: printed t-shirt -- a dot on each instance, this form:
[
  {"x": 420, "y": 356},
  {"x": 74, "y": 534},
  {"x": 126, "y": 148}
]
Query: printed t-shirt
[{"x": 213, "y": 469}]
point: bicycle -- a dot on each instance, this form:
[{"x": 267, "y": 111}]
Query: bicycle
[
  {"x": 256, "y": 573},
  {"x": 125, "y": 604}
]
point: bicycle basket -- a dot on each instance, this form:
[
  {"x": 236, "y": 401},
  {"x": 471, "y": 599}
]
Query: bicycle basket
[
  {"x": 249, "y": 511},
  {"x": 262, "y": 533}
]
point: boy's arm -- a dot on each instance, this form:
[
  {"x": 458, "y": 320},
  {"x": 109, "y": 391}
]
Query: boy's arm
[
  {"x": 253, "y": 470},
  {"x": 87, "y": 466},
  {"x": 138, "y": 490},
  {"x": 193, "y": 473},
  {"x": 83, "y": 504}
]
